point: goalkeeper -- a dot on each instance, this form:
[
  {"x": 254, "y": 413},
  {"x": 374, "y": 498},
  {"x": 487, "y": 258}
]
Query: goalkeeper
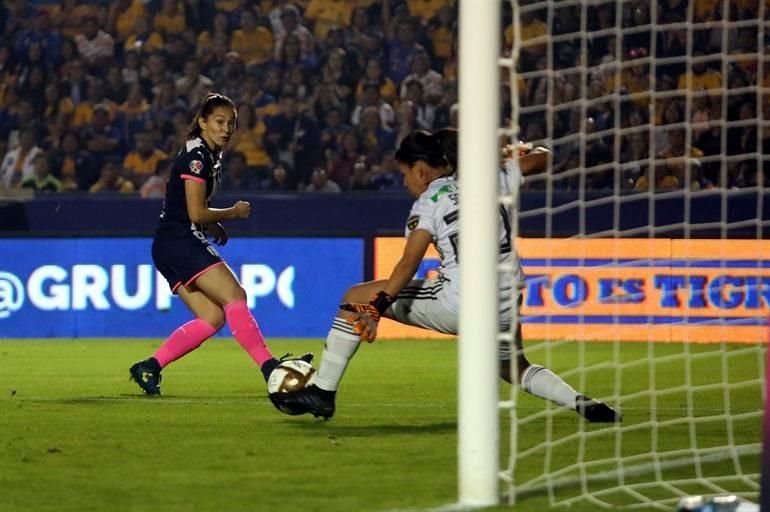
[{"x": 428, "y": 164}]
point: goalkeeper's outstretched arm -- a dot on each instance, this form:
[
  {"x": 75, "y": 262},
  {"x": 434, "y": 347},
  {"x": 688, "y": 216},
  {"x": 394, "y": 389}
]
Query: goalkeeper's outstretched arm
[{"x": 531, "y": 159}]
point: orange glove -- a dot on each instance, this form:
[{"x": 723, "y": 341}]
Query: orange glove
[{"x": 365, "y": 320}]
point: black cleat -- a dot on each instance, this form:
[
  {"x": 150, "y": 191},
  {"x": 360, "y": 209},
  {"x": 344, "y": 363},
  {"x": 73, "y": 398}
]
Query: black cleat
[
  {"x": 595, "y": 411},
  {"x": 312, "y": 399},
  {"x": 307, "y": 357},
  {"x": 272, "y": 364},
  {"x": 147, "y": 375}
]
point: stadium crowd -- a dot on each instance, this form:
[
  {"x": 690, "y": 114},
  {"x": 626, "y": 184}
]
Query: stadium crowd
[{"x": 97, "y": 96}]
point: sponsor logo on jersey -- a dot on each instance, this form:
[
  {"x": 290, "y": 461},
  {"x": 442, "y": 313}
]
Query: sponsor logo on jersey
[
  {"x": 412, "y": 222},
  {"x": 196, "y": 166}
]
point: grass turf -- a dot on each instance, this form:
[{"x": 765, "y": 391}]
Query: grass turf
[{"x": 76, "y": 435}]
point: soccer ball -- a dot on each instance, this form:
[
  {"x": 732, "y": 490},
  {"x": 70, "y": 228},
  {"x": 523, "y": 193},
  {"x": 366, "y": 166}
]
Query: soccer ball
[{"x": 289, "y": 376}]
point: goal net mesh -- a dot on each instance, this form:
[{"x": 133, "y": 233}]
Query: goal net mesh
[{"x": 647, "y": 278}]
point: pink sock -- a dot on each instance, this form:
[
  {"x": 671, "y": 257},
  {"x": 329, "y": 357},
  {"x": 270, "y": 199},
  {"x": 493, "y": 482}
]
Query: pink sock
[
  {"x": 185, "y": 339},
  {"x": 246, "y": 331}
]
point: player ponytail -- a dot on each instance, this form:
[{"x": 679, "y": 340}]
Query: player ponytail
[
  {"x": 422, "y": 145},
  {"x": 210, "y": 103},
  {"x": 448, "y": 139}
]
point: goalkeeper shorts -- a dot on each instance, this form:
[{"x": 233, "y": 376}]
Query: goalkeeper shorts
[{"x": 424, "y": 303}]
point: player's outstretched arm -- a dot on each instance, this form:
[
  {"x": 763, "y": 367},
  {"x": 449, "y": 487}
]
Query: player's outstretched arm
[
  {"x": 200, "y": 213},
  {"x": 365, "y": 317},
  {"x": 531, "y": 159},
  {"x": 416, "y": 246}
]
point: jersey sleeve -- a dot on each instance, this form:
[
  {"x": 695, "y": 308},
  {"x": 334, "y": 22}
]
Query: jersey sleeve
[
  {"x": 422, "y": 216},
  {"x": 511, "y": 178},
  {"x": 193, "y": 164}
]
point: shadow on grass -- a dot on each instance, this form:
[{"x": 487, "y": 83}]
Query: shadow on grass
[{"x": 377, "y": 429}]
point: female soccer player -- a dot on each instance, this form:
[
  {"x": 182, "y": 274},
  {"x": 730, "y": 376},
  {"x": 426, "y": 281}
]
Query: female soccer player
[
  {"x": 428, "y": 163},
  {"x": 193, "y": 268}
]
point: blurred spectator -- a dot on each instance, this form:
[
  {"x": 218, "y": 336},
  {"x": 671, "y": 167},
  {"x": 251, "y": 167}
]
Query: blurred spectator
[
  {"x": 84, "y": 111},
  {"x": 39, "y": 33},
  {"x": 335, "y": 71},
  {"x": 289, "y": 55},
  {"x": 123, "y": 15},
  {"x": 682, "y": 162},
  {"x": 407, "y": 120},
  {"x": 248, "y": 142},
  {"x": 101, "y": 137},
  {"x": 143, "y": 38},
  {"x": 636, "y": 152},
  {"x": 370, "y": 97},
  {"x": 432, "y": 81},
  {"x": 167, "y": 102},
  {"x": 170, "y": 20},
  {"x": 746, "y": 50},
  {"x": 292, "y": 28},
  {"x": 69, "y": 16},
  {"x": 239, "y": 177},
  {"x": 115, "y": 88},
  {"x": 325, "y": 15},
  {"x": 320, "y": 182},
  {"x": 155, "y": 186},
  {"x": 401, "y": 51},
  {"x": 18, "y": 163},
  {"x": 58, "y": 109},
  {"x": 386, "y": 175},
  {"x": 293, "y": 137},
  {"x": 221, "y": 28},
  {"x": 360, "y": 178},
  {"x": 426, "y": 9},
  {"x": 375, "y": 138},
  {"x": 231, "y": 75},
  {"x": 253, "y": 42},
  {"x": 281, "y": 179},
  {"x": 442, "y": 31},
  {"x": 340, "y": 162},
  {"x": 42, "y": 180},
  {"x": 333, "y": 129},
  {"x": 110, "y": 180},
  {"x": 95, "y": 46},
  {"x": 702, "y": 77},
  {"x": 142, "y": 162},
  {"x": 193, "y": 85},
  {"x": 362, "y": 33},
  {"x": 530, "y": 27},
  {"x": 73, "y": 165},
  {"x": 426, "y": 112},
  {"x": 373, "y": 74}
]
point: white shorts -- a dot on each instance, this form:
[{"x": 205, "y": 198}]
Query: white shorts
[{"x": 419, "y": 304}]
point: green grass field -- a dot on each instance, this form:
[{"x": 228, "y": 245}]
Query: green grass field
[{"x": 76, "y": 435}]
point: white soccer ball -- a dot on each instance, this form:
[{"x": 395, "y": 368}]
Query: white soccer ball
[{"x": 290, "y": 375}]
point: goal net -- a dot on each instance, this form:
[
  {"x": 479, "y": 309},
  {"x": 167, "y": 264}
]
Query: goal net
[{"x": 648, "y": 281}]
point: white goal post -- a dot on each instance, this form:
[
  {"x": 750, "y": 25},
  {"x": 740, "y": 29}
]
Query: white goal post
[{"x": 478, "y": 427}]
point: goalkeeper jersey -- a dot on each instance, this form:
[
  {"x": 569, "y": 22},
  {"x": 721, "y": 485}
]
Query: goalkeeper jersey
[{"x": 436, "y": 211}]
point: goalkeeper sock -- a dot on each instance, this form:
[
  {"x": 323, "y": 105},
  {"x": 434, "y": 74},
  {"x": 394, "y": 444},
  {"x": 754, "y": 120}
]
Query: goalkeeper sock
[
  {"x": 341, "y": 343},
  {"x": 184, "y": 340},
  {"x": 246, "y": 331},
  {"x": 542, "y": 382}
]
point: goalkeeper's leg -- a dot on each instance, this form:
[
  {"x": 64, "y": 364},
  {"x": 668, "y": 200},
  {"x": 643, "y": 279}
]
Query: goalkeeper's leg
[{"x": 543, "y": 383}]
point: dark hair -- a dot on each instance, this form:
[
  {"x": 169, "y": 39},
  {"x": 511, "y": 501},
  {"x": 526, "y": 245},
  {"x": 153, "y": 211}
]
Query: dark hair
[
  {"x": 448, "y": 139},
  {"x": 425, "y": 146},
  {"x": 211, "y": 102}
]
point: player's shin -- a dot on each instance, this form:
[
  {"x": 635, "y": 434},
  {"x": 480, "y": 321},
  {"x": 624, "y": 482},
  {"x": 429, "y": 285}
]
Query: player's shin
[
  {"x": 246, "y": 331},
  {"x": 542, "y": 382},
  {"x": 341, "y": 344},
  {"x": 183, "y": 340}
]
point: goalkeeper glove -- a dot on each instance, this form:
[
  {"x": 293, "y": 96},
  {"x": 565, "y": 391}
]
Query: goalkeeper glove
[{"x": 366, "y": 317}]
